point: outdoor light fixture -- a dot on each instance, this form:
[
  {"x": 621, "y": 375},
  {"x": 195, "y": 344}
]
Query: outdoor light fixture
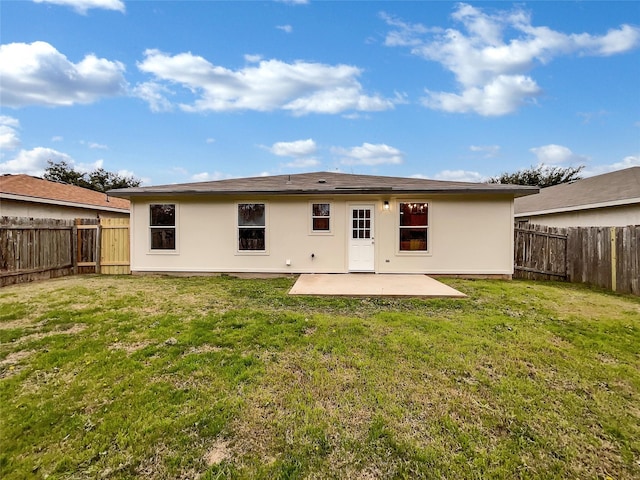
[{"x": 386, "y": 205}]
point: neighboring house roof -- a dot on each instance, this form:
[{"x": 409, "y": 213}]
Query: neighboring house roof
[
  {"x": 323, "y": 183},
  {"x": 32, "y": 189},
  {"x": 617, "y": 188}
]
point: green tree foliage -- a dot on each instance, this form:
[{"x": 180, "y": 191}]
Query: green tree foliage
[
  {"x": 540, "y": 176},
  {"x": 99, "y": 180}
]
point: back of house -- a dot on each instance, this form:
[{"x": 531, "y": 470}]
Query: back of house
[{"x": 324, "y": 222}]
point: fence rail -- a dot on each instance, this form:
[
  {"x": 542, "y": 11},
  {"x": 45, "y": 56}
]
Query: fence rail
[
  {"x": 608, "y": 257},
  {"x": 34, "y": 249}
]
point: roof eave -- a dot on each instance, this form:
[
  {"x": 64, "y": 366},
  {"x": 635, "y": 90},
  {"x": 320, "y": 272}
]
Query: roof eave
[
  {"x": 516, "y": 192},
  {"x": 575, "y": 208},
  {"x": 61, "y": 203}
]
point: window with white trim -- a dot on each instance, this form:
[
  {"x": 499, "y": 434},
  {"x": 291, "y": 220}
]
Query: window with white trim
[
  {"x": 414, "y": 226},
  {"x": 252, "y": 227},
  {"x": 162, "y": 226},
  {"x": 321, "y": 217}
]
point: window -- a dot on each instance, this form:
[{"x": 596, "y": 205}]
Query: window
[
  {"x": 162, "y": 224},
  {"x": 321, "y": 217},
  {"x": 361, "y": 223},
  {"x": 414, "y": 226},
  {"x": 251, "y": 227}
]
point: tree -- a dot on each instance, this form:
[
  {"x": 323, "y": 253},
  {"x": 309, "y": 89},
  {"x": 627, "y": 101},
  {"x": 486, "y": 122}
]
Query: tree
[
  {"x": 99, "y": 180},
  {"x": 540, "y": 176},
  {"x": 63, "y": 172}
]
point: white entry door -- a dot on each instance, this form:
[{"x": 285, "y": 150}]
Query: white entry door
[{"x": 361, "y": 241}]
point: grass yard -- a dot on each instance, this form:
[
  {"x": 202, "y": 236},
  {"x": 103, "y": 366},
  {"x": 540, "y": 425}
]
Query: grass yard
[{"x": 154, "y": 378}]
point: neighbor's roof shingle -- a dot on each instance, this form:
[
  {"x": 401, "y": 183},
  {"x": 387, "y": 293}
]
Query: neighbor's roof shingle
[
  {"x": 323, "y": 183},
  {"x": 35, "y": 189},
  {"x": 618, "y": 187}
]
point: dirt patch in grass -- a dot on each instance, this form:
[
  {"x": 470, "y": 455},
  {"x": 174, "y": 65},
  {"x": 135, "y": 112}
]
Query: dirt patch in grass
[
  {"x": 33, "y": 337},
  {"x": 129, "y": 348},
  {"x": 10, "y": 366},
  {"x": 16, "y": 357},
  {"x": 218, "y": 453},
  {"x": 41, "y": 379},
  {"x": 22, "y": 323},
  {"x": 206, "y": 348}
]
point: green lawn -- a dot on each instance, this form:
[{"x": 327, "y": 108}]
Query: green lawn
[{"x": 154, "y": 377}]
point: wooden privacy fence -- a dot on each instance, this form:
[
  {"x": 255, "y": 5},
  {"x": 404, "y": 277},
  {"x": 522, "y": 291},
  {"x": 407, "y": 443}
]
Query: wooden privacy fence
[
  {"x": 608, "y": 257},
  {"x": 33, "y": 249}
]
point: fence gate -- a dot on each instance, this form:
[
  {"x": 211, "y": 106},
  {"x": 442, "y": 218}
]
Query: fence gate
[
  {"x": 540, "y": 253},
  {"x": 103, "y": 246},
  {"x": 114, "y": 246}
]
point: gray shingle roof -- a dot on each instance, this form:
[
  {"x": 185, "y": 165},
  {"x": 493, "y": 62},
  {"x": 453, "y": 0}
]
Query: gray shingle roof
[
  {"x": 323, "y": 183},
  {"x": 617, "y": 187}
]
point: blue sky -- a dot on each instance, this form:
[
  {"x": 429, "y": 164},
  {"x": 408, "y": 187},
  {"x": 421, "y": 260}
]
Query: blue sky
[{"x": 186, "y": 91}]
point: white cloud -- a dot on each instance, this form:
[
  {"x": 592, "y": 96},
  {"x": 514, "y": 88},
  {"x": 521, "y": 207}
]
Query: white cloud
[
  {"x": 209, "y": 176},
  {"x": 557, "y": 154},
  {"x": 294, "y": 2},
  {"x": 37, "y": 74},
  {"x": 588, "y": 117},
  {"x": 369, "y": 154},
  {"x": 9, "y": 138},
  {"x": 87, "y": 167},
  {"x": 299, "y": 148},
  {"x": 336, "y": 100},
  {"x": 488, "y": 151},
  {"x": 57, "y": 138},
  {"x": 285, "y": 28},
  {"x": 34, "y": 161},
  {"x": 210, "y": 140},
  {"x": 627, "y": 162},
  {"x": 501, "y": 96},
  {"x": 303, "y": 163},
  {"x": 615, "y": 41},
  {"x": 406, "y": 34},
  {"x": 269, "y": 85},
  {"x": 82, "y": 6},
  {"x": 126, "y": 173},
  {"x": 253, "y": 58},
  {"x": 490, "y": 55},
  {"x": 459, "y": 176},
  {"x": 155, "y": 95},
  {"x": 97, "y": 146}
]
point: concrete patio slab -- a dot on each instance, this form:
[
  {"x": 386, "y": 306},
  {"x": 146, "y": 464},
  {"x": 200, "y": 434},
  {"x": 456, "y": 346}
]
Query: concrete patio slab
[{"x": 371, "y": 284}]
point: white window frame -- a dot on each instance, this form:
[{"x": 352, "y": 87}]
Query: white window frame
[
  {"x": 266, "y": 228},
  {"x": 162, "y": 251},
  {"x": 400, "y": 227},
  {"x": 312, "y": 216}
]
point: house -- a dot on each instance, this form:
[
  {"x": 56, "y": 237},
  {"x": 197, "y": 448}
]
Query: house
[
  {"x": 608, "y": 200},
  {"x": 27, "y": 196},
  {"x": 324, "y": 223}
]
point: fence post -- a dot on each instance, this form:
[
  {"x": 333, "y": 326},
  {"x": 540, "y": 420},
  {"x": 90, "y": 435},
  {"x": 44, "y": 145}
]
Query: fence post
[
  {"x": 98, "y": 247},
  {"x": 74, "y": 248},
  {"x": 614, "y": 259}
]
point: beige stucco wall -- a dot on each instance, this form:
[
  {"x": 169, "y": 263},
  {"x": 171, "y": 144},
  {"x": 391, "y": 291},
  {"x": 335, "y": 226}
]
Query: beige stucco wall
[
  {"x": 619, "y": 216},
  {"x": 15, "y": 208},
  {"x": 466, "y": 236}
]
